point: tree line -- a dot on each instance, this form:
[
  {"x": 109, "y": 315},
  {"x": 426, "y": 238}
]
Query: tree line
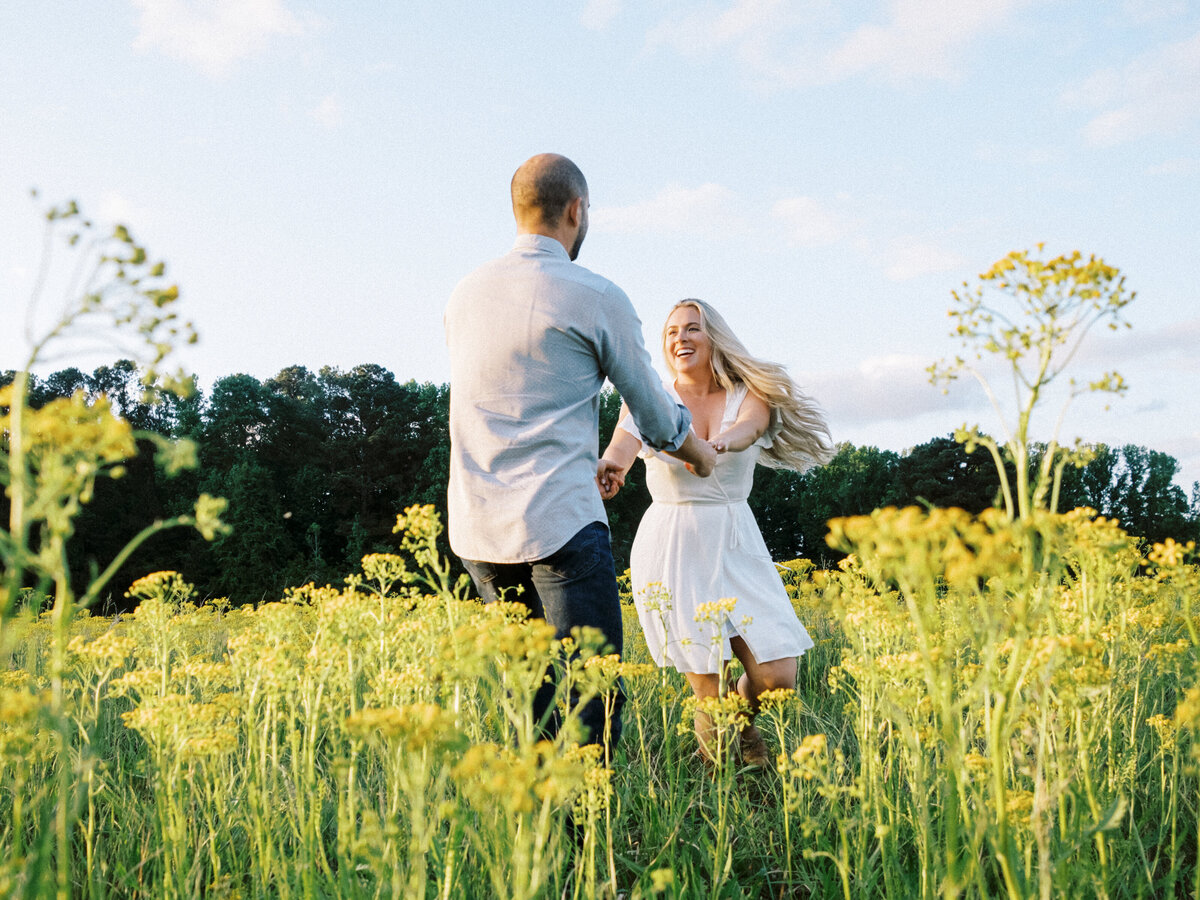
[{"x": 316, "y": 466}]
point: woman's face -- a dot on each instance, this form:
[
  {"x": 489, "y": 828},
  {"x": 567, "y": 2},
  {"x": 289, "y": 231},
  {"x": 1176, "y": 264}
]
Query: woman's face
[{"x": 685, "y": 343}]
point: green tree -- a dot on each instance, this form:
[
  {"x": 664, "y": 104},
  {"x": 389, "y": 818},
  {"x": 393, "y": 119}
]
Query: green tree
[
  {"x": 368, "y": 420},
  {"x": 294, "y": 450},
  {"x": 1148, "y": 503},
  {"x": 252, "y": 561},
  {"x": 856, "y": 481},
  {"x": 236, "y": 421},
  {"x": 63, "y": 383},
  {"x": 941, "y": 473},
  {"x": 1093, "y": 484}
]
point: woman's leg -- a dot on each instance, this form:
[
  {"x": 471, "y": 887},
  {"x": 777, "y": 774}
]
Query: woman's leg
[
  {"x": 773, "y": 675},
  {"x": 704, "y": 686},
  {"x": 758, "y": 678}
]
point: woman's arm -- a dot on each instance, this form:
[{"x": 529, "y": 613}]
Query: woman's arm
[
  {"x": 699, "y": 456},
  {"x": 617, "y": 459},
  {"x": 752, "y": 421}
]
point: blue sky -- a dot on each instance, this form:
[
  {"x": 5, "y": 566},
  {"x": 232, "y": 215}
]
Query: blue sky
[{"x": 319, "y": 175}]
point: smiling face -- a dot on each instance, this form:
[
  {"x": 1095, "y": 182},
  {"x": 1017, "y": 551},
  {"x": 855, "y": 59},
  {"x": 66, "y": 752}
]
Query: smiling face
[{"x": 686, "y": 345}]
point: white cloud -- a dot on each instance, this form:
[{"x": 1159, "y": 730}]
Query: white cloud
[
  {"x": 212, "y": 35},
  {"x": 895, "y": 387},
  {"x": 1157, "y": 93},
  {"x": 710, "y": 209},
  {"x": 328, "y": 113},
  {"x": 598, "y": 14},
  {"x": 711, "y": 29},
  {"x": 714, "y": 211},
  {"x": 1154, "y": 406},
  {"x": 908, "y": 257},
  {"x": 814, "y": 222},
  {"x": 117, "y": 208},
  {"x": 767, "y": 38},
  {"x": 810, "y": 223},
  {"x": 921, "y": 39},
  {"x": 1147, "y": 11},
  {"x": 774, "y": 39},
  {"x": 1171, "y": 347},
  {"x": 1186, "y": 450}
]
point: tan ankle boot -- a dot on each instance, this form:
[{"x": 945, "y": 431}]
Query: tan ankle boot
[{"x": 751, "y": 747}]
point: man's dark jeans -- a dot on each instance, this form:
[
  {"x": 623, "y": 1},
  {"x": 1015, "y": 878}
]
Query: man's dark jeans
[{"x": 574, "y": 586}]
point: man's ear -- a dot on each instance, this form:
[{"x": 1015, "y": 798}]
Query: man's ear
[{"x": 575, "y": 212}]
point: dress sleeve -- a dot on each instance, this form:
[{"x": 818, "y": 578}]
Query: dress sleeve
[
  {"x": 735, "y": 406},
  {"x": 627, "y": 424},
  {"x": 773, "y": 429}
]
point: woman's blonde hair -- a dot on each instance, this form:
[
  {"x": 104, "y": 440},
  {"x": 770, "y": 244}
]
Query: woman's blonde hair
[{"x": 802, "y": 439}]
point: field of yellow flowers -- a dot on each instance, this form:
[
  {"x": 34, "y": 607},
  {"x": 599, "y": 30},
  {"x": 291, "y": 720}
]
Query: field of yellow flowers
[
  {"x": 994, "y": 708},
  {"x": 1003, "y": 705}
]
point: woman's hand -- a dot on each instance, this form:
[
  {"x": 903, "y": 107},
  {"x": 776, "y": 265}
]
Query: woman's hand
[
  {"x": 622, "y": 450},
  {"x": 610, "y": 478}
]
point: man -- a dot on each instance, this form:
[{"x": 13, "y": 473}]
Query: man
[{"x": 532, "y": 337}]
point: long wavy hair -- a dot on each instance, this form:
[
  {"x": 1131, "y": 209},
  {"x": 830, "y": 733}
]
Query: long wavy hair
[{"x": 803, "y": 438}]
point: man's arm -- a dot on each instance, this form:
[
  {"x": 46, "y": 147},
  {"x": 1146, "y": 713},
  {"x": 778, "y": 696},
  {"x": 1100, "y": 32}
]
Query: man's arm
[
  {"x": 664, "y": 424},
  {"x": 699, "y": 455}
]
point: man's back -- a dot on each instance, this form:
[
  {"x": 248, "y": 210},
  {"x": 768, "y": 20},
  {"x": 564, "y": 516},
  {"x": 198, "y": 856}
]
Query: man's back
[
  {"x": 532, "y": 337},
  {"x": 527, "y": 333}
]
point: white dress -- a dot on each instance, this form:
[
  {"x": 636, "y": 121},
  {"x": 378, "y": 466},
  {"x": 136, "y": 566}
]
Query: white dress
[{"x": 697, "y": 543}]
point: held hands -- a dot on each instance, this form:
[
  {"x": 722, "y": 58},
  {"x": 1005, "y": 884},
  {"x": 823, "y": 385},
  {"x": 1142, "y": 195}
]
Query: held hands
[
  {"x": 731, "y": 440},
  {"x": 707, "y": 454},
  {"x": 610, "y": 478}
]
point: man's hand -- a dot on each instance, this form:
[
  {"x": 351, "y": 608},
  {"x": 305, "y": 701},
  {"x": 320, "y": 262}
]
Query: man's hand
[
  {"x": 702, "y": 456},
  {"x": 609, "y": 478}
]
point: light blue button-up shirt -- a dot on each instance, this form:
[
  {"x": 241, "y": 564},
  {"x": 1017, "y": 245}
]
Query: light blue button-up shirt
[{"x": 532, "y": 337}]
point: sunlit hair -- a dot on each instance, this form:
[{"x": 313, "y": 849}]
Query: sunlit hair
[{"x": 803, "y": 438}]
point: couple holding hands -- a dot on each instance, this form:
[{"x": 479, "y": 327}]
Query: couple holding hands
[{"x": 532, "y": 338}]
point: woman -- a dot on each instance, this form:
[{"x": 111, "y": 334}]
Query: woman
[{"x": 698, "y": 542}]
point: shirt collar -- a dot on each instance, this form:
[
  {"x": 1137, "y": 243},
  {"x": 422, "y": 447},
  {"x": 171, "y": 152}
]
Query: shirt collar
[{"x": 542, "y": 244}]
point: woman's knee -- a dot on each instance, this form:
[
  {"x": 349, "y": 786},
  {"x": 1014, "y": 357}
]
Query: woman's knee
[
  {"x": 704, "y": 685},
  {"x": 777, "y": 675}
]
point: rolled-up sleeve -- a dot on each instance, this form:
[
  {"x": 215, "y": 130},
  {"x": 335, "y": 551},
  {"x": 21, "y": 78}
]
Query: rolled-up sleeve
[{"x": 662, "y": 423}]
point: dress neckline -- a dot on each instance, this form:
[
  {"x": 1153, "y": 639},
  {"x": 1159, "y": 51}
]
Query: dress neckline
[{"x": 738, "y": 394}]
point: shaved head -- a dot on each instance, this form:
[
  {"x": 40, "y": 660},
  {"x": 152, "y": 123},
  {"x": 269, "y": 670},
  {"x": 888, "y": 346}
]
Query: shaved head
[{"x": 543, "y": 186}]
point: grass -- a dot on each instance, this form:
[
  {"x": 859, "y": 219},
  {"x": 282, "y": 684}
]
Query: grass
[{"x": 991, "y": 709}]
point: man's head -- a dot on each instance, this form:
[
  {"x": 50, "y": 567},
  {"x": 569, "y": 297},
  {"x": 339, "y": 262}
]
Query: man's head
[{"x": 550, "y": 197}]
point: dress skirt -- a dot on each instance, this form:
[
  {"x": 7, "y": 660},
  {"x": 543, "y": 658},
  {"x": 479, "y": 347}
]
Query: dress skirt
[
  {"x": 701, "y": 571},
  {"x": 688, "y": 555}
]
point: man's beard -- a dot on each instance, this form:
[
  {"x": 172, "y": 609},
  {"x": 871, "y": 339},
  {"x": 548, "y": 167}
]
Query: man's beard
[{"x": 574, "y": 252}]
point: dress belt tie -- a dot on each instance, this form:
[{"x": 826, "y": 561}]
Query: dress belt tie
[{"x": 736, "y": 539}]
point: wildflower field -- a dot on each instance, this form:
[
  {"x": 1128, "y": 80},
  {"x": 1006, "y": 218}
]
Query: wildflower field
[
  {"x": 1002, "y": 705},
  {"x": 993, "y": 709}
]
